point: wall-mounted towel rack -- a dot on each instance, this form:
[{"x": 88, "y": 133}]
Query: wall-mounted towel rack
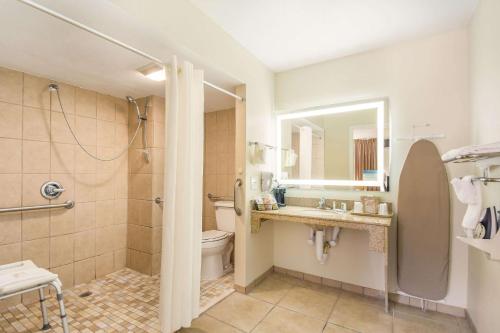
[
  {"x": 253, "y": 143},
  {"x": 471, "y": 158},
  {"x": 415, "y": 137},
  {"x": 486, "y": 180},
  {"x": 68, "y": 205}
]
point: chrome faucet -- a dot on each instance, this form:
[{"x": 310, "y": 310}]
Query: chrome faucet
[{"x": 322, "y": 203}]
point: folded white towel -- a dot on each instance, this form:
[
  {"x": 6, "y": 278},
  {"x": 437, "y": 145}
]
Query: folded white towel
[
  {"x": 469, "y": 192},
  {"x": 259, "y": 154},
  {"x": 471, "y": 150},
  {"x": 290, "y": 158}
]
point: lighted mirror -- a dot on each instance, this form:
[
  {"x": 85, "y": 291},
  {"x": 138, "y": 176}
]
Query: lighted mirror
[{"x": 343, "y": 146}]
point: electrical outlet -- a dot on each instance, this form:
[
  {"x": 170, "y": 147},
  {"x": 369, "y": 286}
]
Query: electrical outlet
[{"x": 253, "y": 183}]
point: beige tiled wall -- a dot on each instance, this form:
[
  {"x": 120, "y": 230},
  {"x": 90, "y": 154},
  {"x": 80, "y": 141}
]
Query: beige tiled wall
[
  {"x": 36, "y": 146},
  {"x": 145, "y": 184},
  {"x": 218, "y": 171}
]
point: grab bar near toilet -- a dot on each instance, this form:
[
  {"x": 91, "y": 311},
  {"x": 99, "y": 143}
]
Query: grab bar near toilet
[{"x": 237, "y": 186}]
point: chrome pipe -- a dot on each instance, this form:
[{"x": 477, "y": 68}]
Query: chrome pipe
[
  {"x": 68, "y": 205},
  {"x": 486, "y": 180}
]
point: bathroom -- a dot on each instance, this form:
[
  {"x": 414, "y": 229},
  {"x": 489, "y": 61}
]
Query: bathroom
[{"x": 187, "y": 109}]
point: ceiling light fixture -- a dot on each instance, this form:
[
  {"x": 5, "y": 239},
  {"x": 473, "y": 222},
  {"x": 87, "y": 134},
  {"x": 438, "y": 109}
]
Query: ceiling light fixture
[{"x": 153, "y": 72}]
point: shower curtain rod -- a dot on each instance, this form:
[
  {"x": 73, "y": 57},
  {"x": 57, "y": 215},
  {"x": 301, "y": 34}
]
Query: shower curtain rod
[{"x": 114, "y": 41}]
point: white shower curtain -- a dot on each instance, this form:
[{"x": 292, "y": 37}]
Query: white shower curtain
[{"x": 183, "y": 194}]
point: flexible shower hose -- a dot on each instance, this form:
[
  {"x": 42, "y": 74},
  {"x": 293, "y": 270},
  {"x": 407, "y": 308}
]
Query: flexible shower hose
[{"x": 56, "y": 89}]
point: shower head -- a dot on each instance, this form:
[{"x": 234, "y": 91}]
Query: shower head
[{"x": 130, "y": 99}]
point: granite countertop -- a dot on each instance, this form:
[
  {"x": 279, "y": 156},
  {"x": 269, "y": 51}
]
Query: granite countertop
[{"x": 320, "y": 214}]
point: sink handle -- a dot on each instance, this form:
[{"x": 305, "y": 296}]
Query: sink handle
[{"x": 322, "y": 203}]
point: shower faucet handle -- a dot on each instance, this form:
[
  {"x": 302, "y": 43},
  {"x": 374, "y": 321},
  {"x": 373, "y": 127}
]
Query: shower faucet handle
[{"x": 51, "y": 190}]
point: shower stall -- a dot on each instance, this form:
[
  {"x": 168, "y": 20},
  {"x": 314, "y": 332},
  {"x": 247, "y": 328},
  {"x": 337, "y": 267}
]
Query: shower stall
[{"x": 82, "y": 146}]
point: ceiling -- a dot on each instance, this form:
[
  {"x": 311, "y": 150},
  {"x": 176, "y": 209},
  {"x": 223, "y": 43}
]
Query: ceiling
[
  {"x": 285, "y": 34},
  {"x": 39, "y": 44}
]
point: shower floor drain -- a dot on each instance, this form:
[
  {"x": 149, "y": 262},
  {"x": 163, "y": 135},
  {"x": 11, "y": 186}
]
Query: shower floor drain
[{"x": 85, "y": 294}]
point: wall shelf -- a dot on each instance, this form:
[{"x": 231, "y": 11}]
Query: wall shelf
[
  {"x": 489, "y": 246},
  {"x": 471, "y": 157}
]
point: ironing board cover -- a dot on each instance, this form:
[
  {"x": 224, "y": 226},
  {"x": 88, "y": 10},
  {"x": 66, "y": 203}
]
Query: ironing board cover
[{"x": 423, "y": 224}]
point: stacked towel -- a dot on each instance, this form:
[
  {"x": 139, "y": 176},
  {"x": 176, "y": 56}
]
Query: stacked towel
[
  {"x": 469, "y": 192},
  {"x": 472, "y": 150},
  {"x": 290, "y": 158},
  {"x": 259, "y": 154}
]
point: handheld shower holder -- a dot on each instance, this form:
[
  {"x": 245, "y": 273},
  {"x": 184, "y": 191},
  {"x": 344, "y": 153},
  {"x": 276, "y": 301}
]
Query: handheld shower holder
[{"x": 53, "y": 87}]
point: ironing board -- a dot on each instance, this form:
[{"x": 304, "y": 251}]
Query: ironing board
[{"x": 423, "y": 224}]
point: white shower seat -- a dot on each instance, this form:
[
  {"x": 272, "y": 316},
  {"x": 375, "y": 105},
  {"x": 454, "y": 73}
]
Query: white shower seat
[{"x": 24, "y": 276}]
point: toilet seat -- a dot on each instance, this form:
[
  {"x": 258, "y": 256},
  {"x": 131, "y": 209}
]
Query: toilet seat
[
  {"x": 214, "y": 235},
  {"x": 215, "y": 238}
]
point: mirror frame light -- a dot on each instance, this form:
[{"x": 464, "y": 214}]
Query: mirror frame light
[{"x": 379, "y": 105}]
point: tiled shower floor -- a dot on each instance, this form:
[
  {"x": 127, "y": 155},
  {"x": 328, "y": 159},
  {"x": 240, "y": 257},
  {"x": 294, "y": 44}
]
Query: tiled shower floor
[
  {"x": 213, "y": 292},
  {"x": 124, "y": 301}
]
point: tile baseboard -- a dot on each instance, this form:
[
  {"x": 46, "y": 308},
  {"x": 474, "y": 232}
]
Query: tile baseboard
[
  {"x": 254, "y": 283},
  {"x": 470, "y": 322}
]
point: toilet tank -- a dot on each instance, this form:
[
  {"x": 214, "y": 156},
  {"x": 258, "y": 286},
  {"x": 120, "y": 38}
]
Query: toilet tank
[{"x": 225, "y": 216}]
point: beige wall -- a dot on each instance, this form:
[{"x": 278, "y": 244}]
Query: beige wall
[
  {"x": 189, "y": 32},
  {"x": 425, "y": 81},
  {"x": 484, "y": 274},
  {"x": 89, "y": 240},
  {"x": 218, "y": 169},
  {"x": 145, "y": 184}
]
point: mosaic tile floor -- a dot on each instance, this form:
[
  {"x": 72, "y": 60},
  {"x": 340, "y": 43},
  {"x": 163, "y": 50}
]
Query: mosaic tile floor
[
  {"x": 124, "y": 301},
  {"x": 214, "y": 291}
]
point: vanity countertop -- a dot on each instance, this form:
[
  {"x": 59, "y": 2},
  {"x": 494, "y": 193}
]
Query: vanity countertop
[
  {"x": 322, "y": 214},
  {"x": 377, "y": 227}
]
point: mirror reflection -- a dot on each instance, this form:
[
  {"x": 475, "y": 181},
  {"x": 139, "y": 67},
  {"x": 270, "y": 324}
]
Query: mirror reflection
[{"x": 335, "y": 148}]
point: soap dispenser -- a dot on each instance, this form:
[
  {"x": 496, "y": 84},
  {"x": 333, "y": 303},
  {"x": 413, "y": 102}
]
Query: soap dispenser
[{"x": 279, "y": 193}]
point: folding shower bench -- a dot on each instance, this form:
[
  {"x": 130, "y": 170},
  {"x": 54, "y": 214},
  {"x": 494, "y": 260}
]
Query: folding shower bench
[{"x": 24, "y": 276}]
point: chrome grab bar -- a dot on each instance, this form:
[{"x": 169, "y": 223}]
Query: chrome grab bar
[
  {"x": 213, "y": 198},
  {"x": 68, "y": 205},
  {"x": 237, "y": 185}
]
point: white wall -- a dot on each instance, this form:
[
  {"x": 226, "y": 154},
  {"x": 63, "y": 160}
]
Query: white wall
[
  {"x": 186, "y": 29},
  {"x": 425, "y": 81},
  {"x": 484, "y": 274}
]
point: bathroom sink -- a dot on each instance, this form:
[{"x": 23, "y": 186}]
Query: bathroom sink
[{"x": 317, "y": 211}]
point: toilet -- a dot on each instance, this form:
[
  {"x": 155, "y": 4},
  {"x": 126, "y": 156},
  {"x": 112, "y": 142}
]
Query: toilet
[{"x": 217, "y": 245}]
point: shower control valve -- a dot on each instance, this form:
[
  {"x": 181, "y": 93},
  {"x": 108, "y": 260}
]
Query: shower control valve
[{"x": 51, "y": 190}]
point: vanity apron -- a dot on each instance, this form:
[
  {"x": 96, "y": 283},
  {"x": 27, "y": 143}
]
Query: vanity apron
[{"x": 423, "y": 224}]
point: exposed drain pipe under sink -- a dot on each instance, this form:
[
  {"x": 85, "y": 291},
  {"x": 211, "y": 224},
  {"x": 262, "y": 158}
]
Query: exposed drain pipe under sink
[{"x": 323, "y": 239}]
